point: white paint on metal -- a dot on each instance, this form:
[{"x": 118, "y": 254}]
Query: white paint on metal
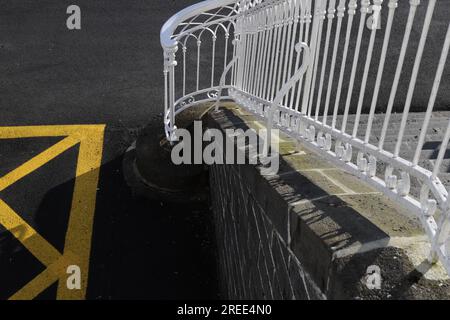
[{"x": 276, "y": 56}]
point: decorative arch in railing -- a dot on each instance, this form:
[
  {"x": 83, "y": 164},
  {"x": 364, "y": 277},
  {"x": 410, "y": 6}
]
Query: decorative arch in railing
[{"x": 325, "y": 73}]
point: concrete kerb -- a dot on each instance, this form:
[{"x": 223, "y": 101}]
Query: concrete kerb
[{"x": 149, "y": 171}]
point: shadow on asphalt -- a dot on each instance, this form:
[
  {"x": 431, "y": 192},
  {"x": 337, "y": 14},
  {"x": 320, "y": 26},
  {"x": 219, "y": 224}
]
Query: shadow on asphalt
[
  {"x": 147, "y": 249},
  {"x": 141, "y": 249}
]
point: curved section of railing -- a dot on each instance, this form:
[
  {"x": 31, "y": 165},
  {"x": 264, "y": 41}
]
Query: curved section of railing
[
  {"x": 199, "y": 32},
  {"x": 335, "y": 75}
]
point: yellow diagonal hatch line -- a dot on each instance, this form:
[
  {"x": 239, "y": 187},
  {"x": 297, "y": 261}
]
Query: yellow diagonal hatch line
[
  {"x": 30, "y": 239},
  {"x": 37, "y": 162},
  {"x": 79, "y": 232}
]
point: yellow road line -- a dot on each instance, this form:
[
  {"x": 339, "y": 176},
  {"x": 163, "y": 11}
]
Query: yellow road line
[
  {"x": 19, "y": 132},
  {"x": 23, "y": 232},
  {"x": 78, "y": 240},
  {"x": 37, "y": 162},
  {"x": 35, "y": 286},
  {"x": 79, "y": 232}
]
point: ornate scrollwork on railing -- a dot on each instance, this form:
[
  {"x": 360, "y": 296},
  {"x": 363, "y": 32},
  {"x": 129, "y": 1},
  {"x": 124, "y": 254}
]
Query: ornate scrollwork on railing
[
  {"x": 187, "y": 101},
  {"x": 429, "y": 206},
  {"x": 366, "y": 165},
  {"x": 213, "y": 94},
  {"x": 344, "y": 152},
  {"x": 402, "y": 185},
  {"x": 389, "y": 178},
  {"x": 324, "y": 141},
  {"x": 320, "y": 139},
  {"x": 169, "y": 58}
]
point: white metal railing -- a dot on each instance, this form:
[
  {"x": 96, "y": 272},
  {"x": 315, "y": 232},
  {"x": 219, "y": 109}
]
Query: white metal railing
[{"x": 317, "y": 70}]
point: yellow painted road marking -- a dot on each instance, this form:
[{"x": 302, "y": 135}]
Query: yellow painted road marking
[
  {"x": 77, "y": 245},
  {"x": 37, "y": 162},
  {"x": 30, "y": 239}
]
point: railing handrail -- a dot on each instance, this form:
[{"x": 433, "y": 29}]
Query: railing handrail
[{"x": 168, "y": 29}]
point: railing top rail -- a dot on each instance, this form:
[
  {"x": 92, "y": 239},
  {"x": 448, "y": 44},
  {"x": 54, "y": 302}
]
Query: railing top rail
[{"x": 170, "y": 26}]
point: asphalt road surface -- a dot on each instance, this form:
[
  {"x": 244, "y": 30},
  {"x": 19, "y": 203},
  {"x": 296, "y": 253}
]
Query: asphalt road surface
[{"x": 60, "y": 185}]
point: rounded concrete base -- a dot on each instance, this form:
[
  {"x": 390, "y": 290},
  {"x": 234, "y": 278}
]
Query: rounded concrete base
[{"x": 150, "y": 172}]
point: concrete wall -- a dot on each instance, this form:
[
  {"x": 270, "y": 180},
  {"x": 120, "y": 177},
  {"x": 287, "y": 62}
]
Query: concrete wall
[{"x": 255, "y": 261}]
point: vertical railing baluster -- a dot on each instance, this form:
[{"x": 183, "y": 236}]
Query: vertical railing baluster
[
  {"x": 239, "y": 44},
  {"x": 233, "y": 67},
  {"x": 225, "y": 56},
  {"x": 340, "y": 15},
  {"x": 236, "y": 51},
  {"x": 256, "y": 45},
  {"x": 412, "y": 12},
  {"x": 263, "y": 49},
  {"x": 290, "y": 22},
  {"x": 259, "y": 52},
  {"x": 184, "y": 69},
  {"x": 282, "y": 63},
  {"x": 199, "y": 44},
  {"x": 270, "y": 37},
  {"x": 250, "y": 54},
  {"x": 432, "y": 100},
  {"x": 308, "y": 20},
  {"x": 214, "y": 39},
  {"x": 296, "y": 18},
  {"x": 248, "y": 44},
  {"x": 239, "y": 39},
  {"x": 277, "y": 52},
  {"x": 412, "y": 83},
  {"x": 442, "y": 151},
  {"x": 351, "y": 13},
  {"x": 330, "y": 17},
  {"x": 243, "y": 54},
  {"x": 172, "y": 96},
  {"x": 305, "y": 19},
  {"x": 169, "y": 76},
  {"x": 166, "y": 86},
  {"x": 262, "y": 57},
  {"x": 272, "y": 52},
  {"x": 364, "y": 9},
  {"x": 376, "y": 14},
  {"x": 392, "y": 6},
  {"x": 246, "y": 52},
  {"x": 315, "y": 58}
]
